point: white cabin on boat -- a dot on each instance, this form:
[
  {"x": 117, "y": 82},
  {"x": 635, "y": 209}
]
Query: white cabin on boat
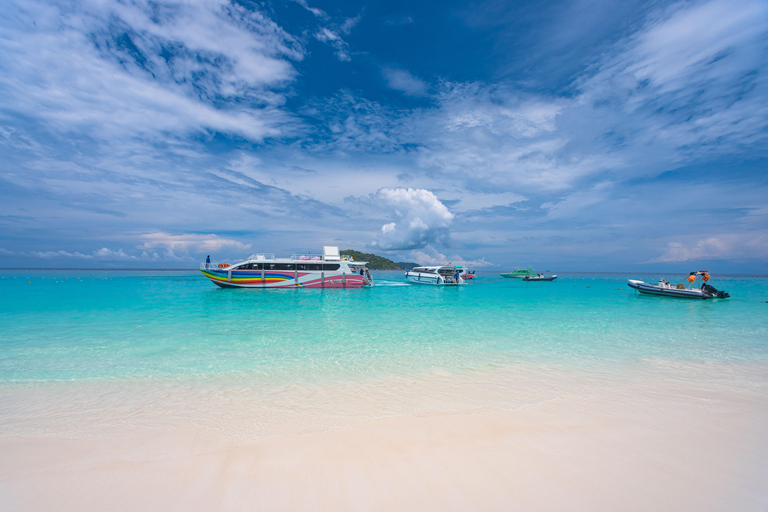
[{"x": 448, "y": 275}]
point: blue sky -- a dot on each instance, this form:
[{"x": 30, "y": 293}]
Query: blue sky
[{"x": 577, "y": 135}]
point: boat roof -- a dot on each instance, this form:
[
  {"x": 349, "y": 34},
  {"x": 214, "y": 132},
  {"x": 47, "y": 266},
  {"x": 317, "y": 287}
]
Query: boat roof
[
  {"x": 330, "y": 253},
  {"x": 269, "y": 258}
]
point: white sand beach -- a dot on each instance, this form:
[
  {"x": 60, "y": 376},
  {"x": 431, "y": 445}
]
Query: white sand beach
[{"x": 677, "y": 438}]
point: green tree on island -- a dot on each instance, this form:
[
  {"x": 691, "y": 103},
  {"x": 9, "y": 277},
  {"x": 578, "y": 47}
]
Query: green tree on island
[{"x": 377, "y": 262}]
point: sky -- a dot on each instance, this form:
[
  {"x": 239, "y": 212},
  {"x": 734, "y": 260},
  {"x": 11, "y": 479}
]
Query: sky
[{"x": 573, "y": 135}]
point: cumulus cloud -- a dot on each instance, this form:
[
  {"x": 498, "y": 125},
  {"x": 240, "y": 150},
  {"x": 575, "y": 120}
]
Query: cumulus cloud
[
  {"x": 61, "y": 254},
  {"x": 431, "y": 256},
  {"x": 100, "y": 254},
  {"x": 420, "y": 219},
  {"x": 190, "y": 242},
  {"x": 710, "y": 248},
  {"x": 716, "y": 247}
]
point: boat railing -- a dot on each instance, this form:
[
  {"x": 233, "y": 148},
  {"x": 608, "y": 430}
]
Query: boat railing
[
  {"x": 262, "y": 256},
  {"x": 214, "y": 266}
]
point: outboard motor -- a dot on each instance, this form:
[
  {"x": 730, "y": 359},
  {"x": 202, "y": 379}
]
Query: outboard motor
[{"x": 714, "y": 292}]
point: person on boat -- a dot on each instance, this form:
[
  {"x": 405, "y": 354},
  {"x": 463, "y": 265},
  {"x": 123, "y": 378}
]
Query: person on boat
[
  {"x": 208, "y": 261},
  {"x": 456, "y": 276},
  {"x": 362, "y": 272}
]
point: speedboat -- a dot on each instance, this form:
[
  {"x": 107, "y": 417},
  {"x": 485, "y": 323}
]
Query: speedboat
[
  {"x": 465, "y": 274},
  {"x": 704, "y": 291},
  {"x": 448, "y": 275},
  {"x": 327, "y": 270},
  {"x": 540, "y": 277},
  {"x": 520, "y": 273}
]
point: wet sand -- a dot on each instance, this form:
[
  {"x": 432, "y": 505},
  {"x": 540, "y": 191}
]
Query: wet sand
[{"x": 672, "y": 439}]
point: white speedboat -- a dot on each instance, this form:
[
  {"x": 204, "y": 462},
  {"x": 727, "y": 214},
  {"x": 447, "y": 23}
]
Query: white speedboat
[
  {"x": 665, "y": 288},
  {"x": 448, "y": 275},
  {"x": 327, "y": 270}
]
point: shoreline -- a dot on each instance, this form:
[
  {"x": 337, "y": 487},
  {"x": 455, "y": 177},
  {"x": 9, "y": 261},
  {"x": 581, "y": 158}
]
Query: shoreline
[{"x": 663, "y": 436}]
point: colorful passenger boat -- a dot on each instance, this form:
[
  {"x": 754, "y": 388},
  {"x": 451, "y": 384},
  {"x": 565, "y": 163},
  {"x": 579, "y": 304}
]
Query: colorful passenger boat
[{"x": 328, "y": 270}]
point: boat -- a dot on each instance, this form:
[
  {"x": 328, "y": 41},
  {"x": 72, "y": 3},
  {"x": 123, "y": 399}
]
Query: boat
[
  {"x": 540, "y": 277},
  {"x": 520, "y": 273},
  {"x": 327, "y": 270},
  {"x": 665, "y": 288},
  {"x": 466, "y": 274},
  {"x": 447, "y": 275}
]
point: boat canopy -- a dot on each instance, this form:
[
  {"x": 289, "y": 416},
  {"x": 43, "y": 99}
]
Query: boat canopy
[{"x": 331, "y": 253}]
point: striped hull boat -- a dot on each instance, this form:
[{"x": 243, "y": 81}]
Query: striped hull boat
[{"x": 276, "y": 279}]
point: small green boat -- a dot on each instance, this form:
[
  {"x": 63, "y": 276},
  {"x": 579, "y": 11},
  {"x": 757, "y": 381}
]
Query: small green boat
[{"x": 520, "y": 273}]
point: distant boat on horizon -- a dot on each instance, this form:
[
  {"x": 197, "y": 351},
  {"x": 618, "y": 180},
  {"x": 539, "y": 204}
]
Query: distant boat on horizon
[{"x": 520, "y": 273}]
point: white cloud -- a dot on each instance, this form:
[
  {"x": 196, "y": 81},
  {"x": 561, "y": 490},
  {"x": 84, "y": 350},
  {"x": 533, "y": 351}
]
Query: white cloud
[
  {"x": 332, "y": 37},
  {"x": 430, "y": 256},
  {"x": 688, "y": 80},
  {"x": 100, "y": 254},
  {"x": 710, "y": 248},
  {"x": 716, "y": 247},
  {"x": 685, "y": 85},
  {"x": 402, "y": 80},
  {"x": 332, "y": 33},
  {"x": 60, "y": 254},
  {"x": 104, "y": 68},
  {"x": 421, "y": 219},
  {"x": 680, "y": 45},
  {"x": 576, "y": 203},
  {"x": 113, "y": 255},
  {"x": 348, "y": 24},
  {"x": 314, "y": 10},
  {"x": 190, "y": 242}
]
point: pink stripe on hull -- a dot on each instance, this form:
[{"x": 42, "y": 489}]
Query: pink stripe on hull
[
  {"x": 336, "y": 281},
  {"x": 332, "y": 281}
]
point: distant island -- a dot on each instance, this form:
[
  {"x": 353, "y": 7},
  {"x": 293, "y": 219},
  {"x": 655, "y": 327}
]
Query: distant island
[{"x": 378, "y": 262}]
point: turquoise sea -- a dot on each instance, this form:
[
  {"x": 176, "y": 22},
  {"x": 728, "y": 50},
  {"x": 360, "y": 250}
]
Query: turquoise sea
[
  {"x": 85, "y": 340},
  {"x": 84, "y": 325}
]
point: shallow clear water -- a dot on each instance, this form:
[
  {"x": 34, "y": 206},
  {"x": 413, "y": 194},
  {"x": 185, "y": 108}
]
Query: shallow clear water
[
  {"x": 92, "y": 353},
  {"x": 86, "y": 325}
]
